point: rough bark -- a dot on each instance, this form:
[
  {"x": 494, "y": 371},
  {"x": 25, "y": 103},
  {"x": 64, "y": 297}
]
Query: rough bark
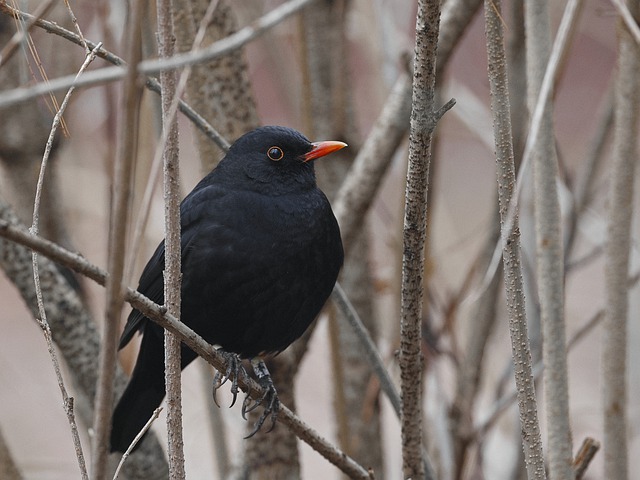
[
  {"x": 173, "y": 250},
  {"x": 505, "y": 171},
  {"x": 424, "y": 118}
]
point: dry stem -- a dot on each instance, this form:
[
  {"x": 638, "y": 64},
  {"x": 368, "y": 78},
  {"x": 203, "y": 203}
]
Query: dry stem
[
  {"x": 120, "y": 210},
  {"x": 505, "y": 172},
  {"x": 67, "y": 401},
  {"x": 173, "y": 251}
]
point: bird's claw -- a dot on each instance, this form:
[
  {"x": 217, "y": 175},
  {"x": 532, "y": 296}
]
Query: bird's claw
[
  {"x": 271, "y": 404},
  {"x": 269, "y": 396},
  {"x": 234, "y": 369}
]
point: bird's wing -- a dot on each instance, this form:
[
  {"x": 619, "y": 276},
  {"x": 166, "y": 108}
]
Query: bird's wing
[
  {"x": 152, "y": 286},
  {"x": 151, "y": 282}
]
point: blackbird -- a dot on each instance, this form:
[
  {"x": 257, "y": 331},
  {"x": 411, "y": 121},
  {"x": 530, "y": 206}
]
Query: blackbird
[{"x": 261, "y": 251}]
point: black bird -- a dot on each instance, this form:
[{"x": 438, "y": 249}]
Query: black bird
[{"x": 261, "y": 251}]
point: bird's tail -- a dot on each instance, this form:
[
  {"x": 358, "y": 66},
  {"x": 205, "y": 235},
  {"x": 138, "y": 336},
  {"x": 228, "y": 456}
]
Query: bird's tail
[{"x": 143, "y": 394}]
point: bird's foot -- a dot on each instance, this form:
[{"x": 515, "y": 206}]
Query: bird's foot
[
  {"x": 269, "y": 398},
  {"x": 234, "y": 369}
]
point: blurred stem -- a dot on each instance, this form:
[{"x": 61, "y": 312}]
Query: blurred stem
[
  {"x": 549, "y": 255},
  {"x": 126, "y": 153},
  {"x": 584, "y": 456},
  {"x": 500, "y": 106},
  {"x": 614, "y": 342}
]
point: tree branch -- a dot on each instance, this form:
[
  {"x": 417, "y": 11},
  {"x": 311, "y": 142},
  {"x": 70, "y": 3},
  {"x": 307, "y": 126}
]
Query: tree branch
[
  {"x": 506, "y": 177},
  {"x": 424, "y": 119},
  {"x": 172, "y": 243}
]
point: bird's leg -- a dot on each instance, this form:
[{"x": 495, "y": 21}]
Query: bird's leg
[
  {"x": 234, "y": 368},
  {"x": 269, "y": 397}
]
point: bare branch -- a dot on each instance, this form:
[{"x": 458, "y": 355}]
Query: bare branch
[
  {"x": 424, "y": 118},
  {"x": 44, "y": 324},
  {"x": 584, "y": 456},
  {"x": 173, "y": 251},
  {"x": 505, "y": 171},
  {"x": 147, "y": 426},
  {"x": 340, "y": 298}
]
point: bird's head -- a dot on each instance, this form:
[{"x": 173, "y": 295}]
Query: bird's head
[{"x": 276, "y": 158}]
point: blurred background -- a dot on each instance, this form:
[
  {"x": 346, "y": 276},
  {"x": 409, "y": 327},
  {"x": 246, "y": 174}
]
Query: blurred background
[{"x": 366, "y": 44}]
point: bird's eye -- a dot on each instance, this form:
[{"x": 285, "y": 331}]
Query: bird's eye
[{"x": 275, "y": 154}]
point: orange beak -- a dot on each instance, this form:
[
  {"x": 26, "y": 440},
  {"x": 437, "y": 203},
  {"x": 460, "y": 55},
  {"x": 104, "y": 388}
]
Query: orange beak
[{"x": 320, "y": 149}]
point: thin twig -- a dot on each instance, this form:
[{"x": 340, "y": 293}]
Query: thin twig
[
  {"x": 158, "y": 314},
  {"x": 510, "y": 244},
  {"x": 584, "y": 456},
  {"x": 373, "y": 355},
  {"x": 506, "y": 400},
  {"x": 74, "y": 20},
  {"x": 147, "y": 426},
  {"x": 557, "y": 52},
  {"x": 67, "y": 401}
]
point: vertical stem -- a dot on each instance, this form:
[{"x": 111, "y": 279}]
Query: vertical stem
[
  {"x": 172, "y": 272},
  {"x": 549, "y": 255},
  {"x": 532, "y": 443},
  {"x": 423, "y": 123},
  {"x": 125, "y": 154},
  {"x": 614, "y": 348}
]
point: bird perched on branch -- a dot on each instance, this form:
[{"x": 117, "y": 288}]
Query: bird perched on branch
[{"x": 261, "y": 251}]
